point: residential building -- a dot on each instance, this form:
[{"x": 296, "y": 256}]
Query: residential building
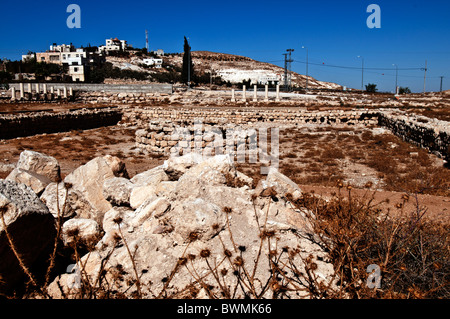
[
  {"x": 78, "y": 61},
  {"x": 114, "y": 45},
  {"x": 159, "y": 52},
  {"x": 49, "y": 57},
  {"x": 156, "y": 62},
  {"x": 27, "y": 57}
]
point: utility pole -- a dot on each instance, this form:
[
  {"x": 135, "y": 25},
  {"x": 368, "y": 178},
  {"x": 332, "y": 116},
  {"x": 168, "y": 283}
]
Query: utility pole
[
  {"x": 441, "y": 83},
  {"x": 285, "y": 72},
  {"x": 303, "y": 47},
  {"x": 146, "y": 40},
  {"x": 362, "y": 76},
  {"x": 396, "y": 77},
  {"x": 290, "y": 66},
  {"x": 425, "y": 76}
]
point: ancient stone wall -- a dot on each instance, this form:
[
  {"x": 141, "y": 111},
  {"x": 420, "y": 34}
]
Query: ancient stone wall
[
  {"x": 19, "y": 125},
  {"x": 431, "y": 134},
  {"x": 142, "y": 117},
  {"x": 123, "y": 98},
  {"x": 161, "y": 128},
  {"x": 157, "y": 124}
]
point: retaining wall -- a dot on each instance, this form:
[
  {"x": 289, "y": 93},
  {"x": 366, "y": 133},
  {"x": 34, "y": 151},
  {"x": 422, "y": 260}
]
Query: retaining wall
[{"x": 20, "y": 125}]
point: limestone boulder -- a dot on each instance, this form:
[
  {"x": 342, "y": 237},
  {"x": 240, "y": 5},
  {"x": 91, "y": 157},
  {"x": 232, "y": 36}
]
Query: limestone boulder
[
  {"x": 176, "y": 166},
  {"x": 178, "y": 229},
  {"x": 30, "y": 226},
  {"x": 57, "y": 200},
  {"x": 86, "y": 189},
  {"x": 41, "y": 164},
  {"x": 181, "y": 219},
  {"x": 150, "y": 177},
  {"x": 117, "y": 166},
  {"x": 140, "y": 194},
  {"x": 282, "y": 184},
  {"x": 117, "y": 191},
  {"x": 81, "y": 231},
  {"x": 35, "y": 181}
]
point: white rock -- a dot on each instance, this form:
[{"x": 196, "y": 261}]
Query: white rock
[
  {"x": 282, "y": 184},
  {"x": 140, "y": 194},
  {"x": 35, "y": 181},
  {"x": 51, "y": 200},
  {"x": 86, "y": 194},
  {"x": 150, "y": 208},
  {"x": 40, "y": 164},
  {"x": 117, "y": 191},
  {"x": 87, "y": 230}
]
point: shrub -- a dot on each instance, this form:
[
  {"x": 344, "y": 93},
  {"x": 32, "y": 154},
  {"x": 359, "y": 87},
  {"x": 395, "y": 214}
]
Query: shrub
[
  {"x": 411, "y": 250},
  {"x": 404, "y": 90},
  {"x": 371, "y": 88}
]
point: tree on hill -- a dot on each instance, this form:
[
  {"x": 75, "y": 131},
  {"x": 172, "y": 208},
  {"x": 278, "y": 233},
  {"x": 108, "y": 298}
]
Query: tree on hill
[
  {"x": 188, "y": 67},
  {"x": 371, "y": 88},
  {"x": 404, "y": 90}
]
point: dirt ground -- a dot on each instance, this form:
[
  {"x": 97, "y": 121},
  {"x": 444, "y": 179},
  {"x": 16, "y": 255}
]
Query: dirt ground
[
  {"x": 75, "y": 148},
  {"x": 316, "y": 158}
]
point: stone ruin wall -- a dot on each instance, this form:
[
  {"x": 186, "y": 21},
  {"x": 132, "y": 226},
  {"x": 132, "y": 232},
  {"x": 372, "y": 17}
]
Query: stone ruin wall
[
  {"x": 27, "y": 124},
  {"x": 158, "y": 124},
  {"x": 109, "y": 98}
]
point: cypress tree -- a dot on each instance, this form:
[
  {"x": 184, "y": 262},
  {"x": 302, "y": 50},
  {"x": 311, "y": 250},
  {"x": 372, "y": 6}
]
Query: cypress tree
[{"x": 187, "y": 60}]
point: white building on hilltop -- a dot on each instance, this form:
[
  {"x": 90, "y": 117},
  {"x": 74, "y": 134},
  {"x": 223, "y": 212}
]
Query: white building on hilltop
[
  {"x": 153, "y": 62},
  {"x": 255, "y": 76},
  {"x": 114, "y": 45}
]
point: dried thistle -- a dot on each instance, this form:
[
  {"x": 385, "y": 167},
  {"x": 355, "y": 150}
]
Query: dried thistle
[
  {"x": 68, "y": 185},
  {"x": 238, "y": 261},
  {"x": 267, "y": 233},
  {"x": 193, "y": 236},
  {"x": 205, "y": 253},
  {"x": 182, "y": 261},
  {"x": 73, "y": 233},
  {"x": 227, "y": 253},
  {"x": 369, "y": 184},
  {"x": 118, "y": 220}
]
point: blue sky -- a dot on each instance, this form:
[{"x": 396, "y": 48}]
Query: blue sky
[{"x": 335, "y": 33}]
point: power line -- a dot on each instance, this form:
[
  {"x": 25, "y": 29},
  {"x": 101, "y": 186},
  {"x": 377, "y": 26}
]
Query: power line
[
  {"x": 357, "y": 68},
  {"x": 365, "y": 69}
]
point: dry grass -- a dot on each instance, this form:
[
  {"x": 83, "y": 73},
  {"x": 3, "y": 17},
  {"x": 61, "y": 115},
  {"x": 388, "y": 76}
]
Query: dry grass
[
  {"x": 411, "y": 250},
  {"x": 317, "y": 158}
]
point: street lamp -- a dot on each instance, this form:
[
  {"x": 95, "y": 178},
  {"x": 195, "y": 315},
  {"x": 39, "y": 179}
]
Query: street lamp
[
  {"x": 303, "y": 47},
  {"x": 362, "y": 76},
  {"x": 396, "y": 78}
]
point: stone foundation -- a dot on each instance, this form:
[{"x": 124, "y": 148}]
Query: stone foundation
[{"x": 158, "y": 124}]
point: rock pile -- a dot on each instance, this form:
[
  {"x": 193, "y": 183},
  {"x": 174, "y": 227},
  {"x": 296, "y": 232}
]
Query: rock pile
[{"x": 192, "y": 227}]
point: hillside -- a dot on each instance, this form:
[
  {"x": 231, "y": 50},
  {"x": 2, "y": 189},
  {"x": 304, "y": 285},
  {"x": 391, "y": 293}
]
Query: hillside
[
  {"x": 229, "y": 67},
  {"x": 236, "y": 68}
]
